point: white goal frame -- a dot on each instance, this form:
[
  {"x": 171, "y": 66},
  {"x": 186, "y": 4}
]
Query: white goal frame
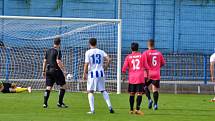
[{"x": 118, "y": 21}]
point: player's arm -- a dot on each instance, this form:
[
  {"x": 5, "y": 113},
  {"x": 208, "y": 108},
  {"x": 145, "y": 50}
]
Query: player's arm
[
  {"x": 60, "y": 63},
  {"x": 108, "y": 61},
  {"x": 145, "y": 64},
  {"x": 85, "y": 71},
  {"x": 124, "y": 68},
  {"x": 44, "y": 67},
  {"x": 163, "y": 62},
  {"x": 147, "y": 73},
  {"x": 212, "y": 71},
  {"x": 87, "y": 60}
]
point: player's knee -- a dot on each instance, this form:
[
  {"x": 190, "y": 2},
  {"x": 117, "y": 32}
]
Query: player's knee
[
  {"x": 139, "y": 93},
  {"x": 103, "y": 91},
  {"x": 155, "y": 89},
  {"x": 145, "y": 88},
  {"x": 91, "y": 91},
  {"x": 63, "y": 86},
  {"x": 49, "y": 88},
  {"x": 132, "y": 93}
]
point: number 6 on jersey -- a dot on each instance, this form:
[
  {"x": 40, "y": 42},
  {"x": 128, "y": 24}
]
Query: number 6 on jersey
[{"x": 154, "y": 60}]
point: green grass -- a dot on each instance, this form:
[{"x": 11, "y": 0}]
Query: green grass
[{"x": 28, "y": 107}]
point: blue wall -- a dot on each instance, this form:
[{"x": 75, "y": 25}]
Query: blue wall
[{"x": 177, "y": 25}]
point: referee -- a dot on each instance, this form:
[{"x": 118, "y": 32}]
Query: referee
[{"x": 53, "y": 72}]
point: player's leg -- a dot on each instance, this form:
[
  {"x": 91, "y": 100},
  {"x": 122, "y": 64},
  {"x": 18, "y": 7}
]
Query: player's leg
[
  {"x": 139, "y": 92},
  {"x": 62, "y": 82},
  {"x": 101, "y": 88},
  {"x": 131, "y": 91},
  {"x": 46, "y": 96},
  {"x": 131, "y": 101},
  {"x": 49, "y": 84},
  {"x": 91, "y": 102},
  {"x": 107, "y": 100},
  {"x": 62, "y": 91},
  {"x": 147, "y": 92},
  {"x": 155, "y": 96},
  {"x": 90, "y": 89},
  {"x": 155, "y": 88},
  {"x": 19, "y": 90},
  {"x": 12, "y": 88}
]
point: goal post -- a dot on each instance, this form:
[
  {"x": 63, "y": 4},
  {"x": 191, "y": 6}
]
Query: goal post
[
  {"x": 26, "y": 38},
  {"x": 119, "y": 60}
]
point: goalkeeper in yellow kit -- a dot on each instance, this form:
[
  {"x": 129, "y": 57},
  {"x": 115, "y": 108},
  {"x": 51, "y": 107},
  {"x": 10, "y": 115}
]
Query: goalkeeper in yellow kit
[{"x": 12, "y": 88}]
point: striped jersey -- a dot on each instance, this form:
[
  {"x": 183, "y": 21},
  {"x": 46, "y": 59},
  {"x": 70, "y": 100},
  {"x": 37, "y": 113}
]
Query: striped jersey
[{"x": 95, "y": 58}]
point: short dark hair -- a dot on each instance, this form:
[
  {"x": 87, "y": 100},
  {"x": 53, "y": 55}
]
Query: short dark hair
[
  {"x": 57, "y": 41},
  {"x": 134, "y": 46},
  {"x": 93, "y": 41},
  {"x": 151, "y": 42}
]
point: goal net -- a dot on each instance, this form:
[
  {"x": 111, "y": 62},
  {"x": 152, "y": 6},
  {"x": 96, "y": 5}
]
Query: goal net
[{"x": 24, "y": 41}]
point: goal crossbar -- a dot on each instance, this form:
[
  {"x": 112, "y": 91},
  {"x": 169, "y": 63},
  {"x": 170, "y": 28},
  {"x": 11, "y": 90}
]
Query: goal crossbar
[{"x": 60, "y": 19}]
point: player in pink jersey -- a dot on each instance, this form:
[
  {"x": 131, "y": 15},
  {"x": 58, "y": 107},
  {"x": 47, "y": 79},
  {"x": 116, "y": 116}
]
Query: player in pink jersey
[
  {"x": 155, "y": 61},
  {"x": 135, "y": 64}
]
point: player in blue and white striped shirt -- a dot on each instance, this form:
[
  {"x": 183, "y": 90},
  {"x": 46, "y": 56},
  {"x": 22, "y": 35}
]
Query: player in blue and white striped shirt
[
  {"x": 94, "y": 73},
  {"x": 212, "y": 64}
]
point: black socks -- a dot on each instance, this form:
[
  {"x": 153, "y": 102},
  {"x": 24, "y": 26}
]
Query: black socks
[
  {"x": 139, "y": 101},
  {"x": 131, "y": 100},
  {"x": 46, "y": 96},
  {"x": 156, "y": 95},
  {"x": 147, "y": 93},
  {"x": 61, "y": 96}
]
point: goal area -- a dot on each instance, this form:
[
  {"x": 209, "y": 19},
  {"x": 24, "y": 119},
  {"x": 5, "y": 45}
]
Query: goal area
[{"x": 24, "y": 41}]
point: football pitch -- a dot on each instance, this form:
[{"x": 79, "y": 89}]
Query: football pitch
[{"x": 28, "y": 107}]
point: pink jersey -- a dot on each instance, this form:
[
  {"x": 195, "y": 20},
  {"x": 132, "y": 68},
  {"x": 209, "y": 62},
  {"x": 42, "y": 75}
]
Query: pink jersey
[
  {"x": 155, "y": 61},
  {"x": 134, "y": 62}
]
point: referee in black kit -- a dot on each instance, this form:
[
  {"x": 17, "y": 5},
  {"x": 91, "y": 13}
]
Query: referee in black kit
[{"x": 53, "y": 72}]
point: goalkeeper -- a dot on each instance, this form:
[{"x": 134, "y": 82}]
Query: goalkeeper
[{"x": 12, "y": 88}]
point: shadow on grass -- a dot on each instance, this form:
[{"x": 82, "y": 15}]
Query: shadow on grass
[{"x": 194, "y": 110}]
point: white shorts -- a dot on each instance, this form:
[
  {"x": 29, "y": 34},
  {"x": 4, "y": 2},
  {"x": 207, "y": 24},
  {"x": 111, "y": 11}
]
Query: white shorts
[{"x": 96, "y": 84}]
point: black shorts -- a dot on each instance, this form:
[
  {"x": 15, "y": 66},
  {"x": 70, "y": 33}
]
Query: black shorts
[
  {"x": 7, "y": 87},
  {"x": 136, "y": 88},
  {"x": 156, "y": 83},
  {"x": 55, "y": 77}
]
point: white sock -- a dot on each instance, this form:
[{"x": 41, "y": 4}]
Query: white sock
[
  {"x": 91, "y": 101},
  {"x": 107, "y": 99}
]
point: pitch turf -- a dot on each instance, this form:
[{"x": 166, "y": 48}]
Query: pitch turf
[{"x": 28, "y": 107}]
